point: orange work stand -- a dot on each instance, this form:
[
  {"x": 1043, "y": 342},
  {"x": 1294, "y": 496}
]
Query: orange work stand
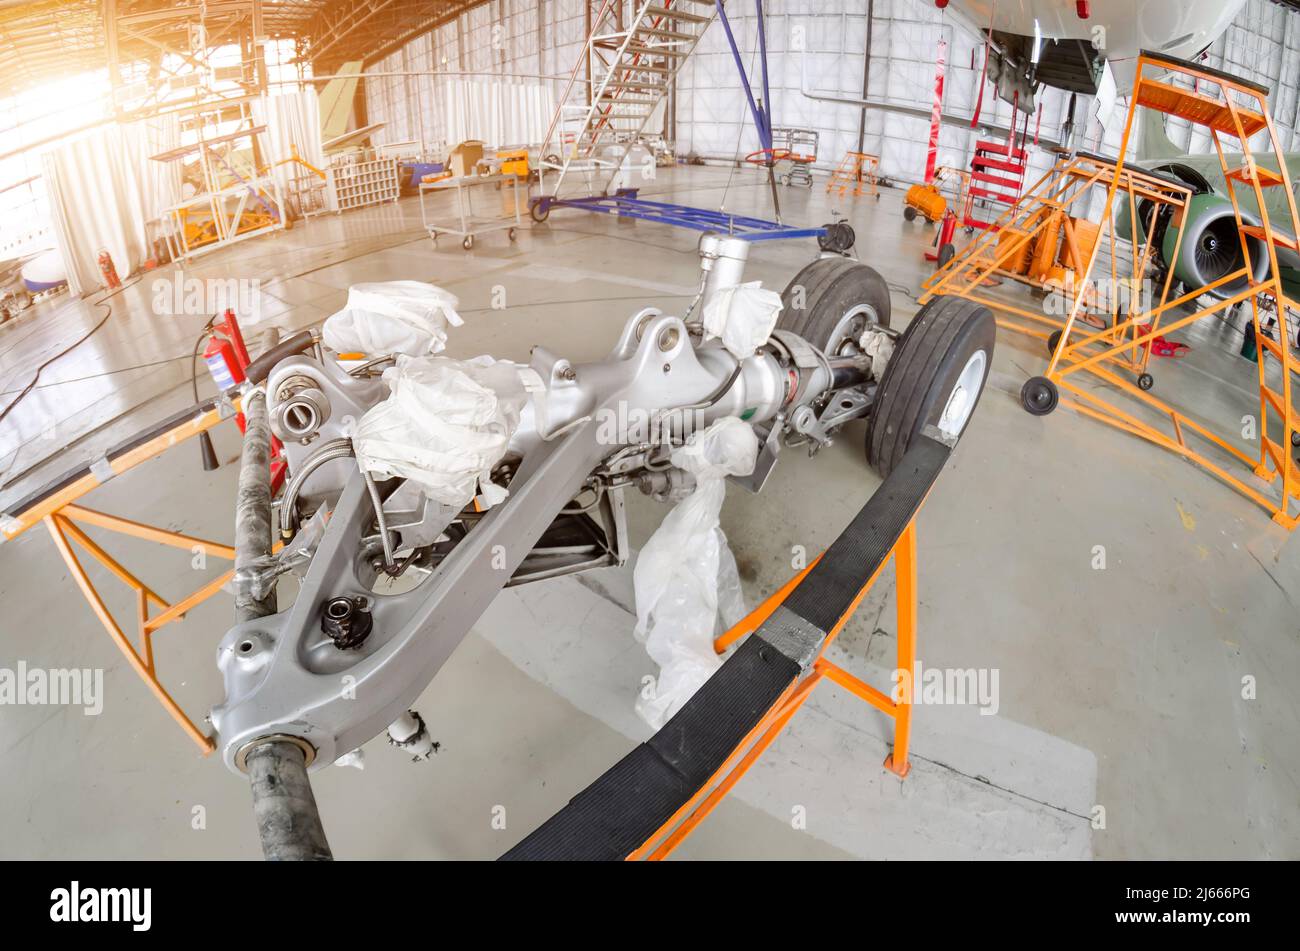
[
  {"x": 857, "y": 173},
  {"x": 61, "y": 514},
  {"x": 673, "y": 832}
]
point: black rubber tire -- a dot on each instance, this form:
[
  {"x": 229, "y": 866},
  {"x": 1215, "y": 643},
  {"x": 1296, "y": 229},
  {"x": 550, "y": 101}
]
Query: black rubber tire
[
  {"x": 1039, "y": 396},
  {"x": 1052, "y": 340},
  {"x": 909, "y": 213},
  {"x": 1146, "y": 381},
  {"x": 539, "y": 211},
  {"x": 946, "y": 253},
  {"x": 831, "y": 288},
  {"x": 928, "y": 359}
]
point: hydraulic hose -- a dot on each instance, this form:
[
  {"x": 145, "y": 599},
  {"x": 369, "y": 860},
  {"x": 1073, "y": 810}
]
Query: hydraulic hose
[{"x": 288, "y": 821}]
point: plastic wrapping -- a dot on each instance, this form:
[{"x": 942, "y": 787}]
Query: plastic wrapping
[
  {"x": 408, "y": 317},
  {"x": 879, "y": 347},
  {"x": 743, "y": 316},
  {"x": 686, "y": 576},
  {"x": 444, "y": 426}
]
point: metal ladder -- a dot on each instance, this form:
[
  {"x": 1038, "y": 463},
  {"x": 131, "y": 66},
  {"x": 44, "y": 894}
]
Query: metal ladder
[{"x": 632, "y": 54}]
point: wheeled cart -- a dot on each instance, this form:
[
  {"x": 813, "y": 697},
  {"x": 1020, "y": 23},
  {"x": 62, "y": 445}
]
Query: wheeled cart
[
  {"x": 799, "y": 148},
  {"x": 468, "y": 225}
]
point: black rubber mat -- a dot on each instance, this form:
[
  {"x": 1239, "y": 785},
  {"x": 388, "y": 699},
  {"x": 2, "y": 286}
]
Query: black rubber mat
[
  {"x": 1202, "y": 68},
  {"x": 613, "y": 816},
  {"x": 71, "y": 476},
  {"x": 617, "y": 813},
  {"x": 827, "y": 591},
  {"x": 1149, "y": 172}
]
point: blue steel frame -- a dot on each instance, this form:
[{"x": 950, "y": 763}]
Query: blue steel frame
[
  {"x": 759, "y": 110},
  {"x": 625, "y": 204}
]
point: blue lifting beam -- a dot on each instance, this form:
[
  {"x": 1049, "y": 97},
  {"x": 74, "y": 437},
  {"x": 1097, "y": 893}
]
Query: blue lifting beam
[{"x": 624, "y": 203}]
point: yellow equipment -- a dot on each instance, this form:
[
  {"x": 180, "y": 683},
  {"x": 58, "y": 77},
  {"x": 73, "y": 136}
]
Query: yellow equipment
[
  {"x": 513, "y": 161},
  {"x": 924, "y": 200}
]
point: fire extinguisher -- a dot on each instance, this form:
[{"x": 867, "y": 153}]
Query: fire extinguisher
[
  {"x": 106, "y": 268},
  {"x": 945, "y": 250},
  {"x": 222, "y": 364}
]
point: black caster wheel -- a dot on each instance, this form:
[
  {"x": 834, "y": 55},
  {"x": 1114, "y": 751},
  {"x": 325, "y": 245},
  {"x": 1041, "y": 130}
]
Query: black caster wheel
[
  {"x": 539, "y": 211},
  {"x": 468, "y": 242},
  {"x": 1295, "y": 439},
  {"x": 909, "y": 213},
  {"x": 1039, "y": 396},
  {"x": 1053, "y": 339},
  {"x": 511, "y": 234},
  {"x": 1146, "y": 381},
  {"x": 946, "y": 254},
  {"x": 877, "y": 196}
]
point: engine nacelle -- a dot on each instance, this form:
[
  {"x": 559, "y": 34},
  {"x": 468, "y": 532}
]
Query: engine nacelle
[{"x": 1211, "y": 247}]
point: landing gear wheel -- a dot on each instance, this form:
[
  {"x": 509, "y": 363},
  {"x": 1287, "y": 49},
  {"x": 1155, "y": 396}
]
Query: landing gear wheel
[
  {"x": 934, "y": 378},
  {"x": 511, "y": 234},
  {"x": 909, "y": 213},
  {"x": 831, "y": 302},
  {"x": 946, "y": 254},
  {"x": 839, "y": 237},
  {"x": 1053, "y": 339},
  {"x": 539, "y": 211},
  {"x": 1146, "y": 381},
  {"x": 468, "y": 242},
  {"x": 1039, "y": 396}
]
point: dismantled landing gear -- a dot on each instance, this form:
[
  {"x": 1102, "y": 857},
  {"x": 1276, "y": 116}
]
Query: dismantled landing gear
[{"x": 344, "y": 662}]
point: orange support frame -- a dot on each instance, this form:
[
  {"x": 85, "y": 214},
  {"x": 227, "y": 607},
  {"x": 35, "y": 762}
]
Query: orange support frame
[
  {"x": 1038, "y": 243},
  {"x": 63, "y": 516},
  {"x": 1228, "y": 108},
  {"x": 683, "y": 822},
  {"x": 1223, "y": 114},
  {"x": 857, "y": 174}
]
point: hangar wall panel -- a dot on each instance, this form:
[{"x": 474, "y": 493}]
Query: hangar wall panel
[{"x": 815, "y": 46}]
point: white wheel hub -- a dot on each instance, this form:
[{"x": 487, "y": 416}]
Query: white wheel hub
[{"x": 961, "y": 401}]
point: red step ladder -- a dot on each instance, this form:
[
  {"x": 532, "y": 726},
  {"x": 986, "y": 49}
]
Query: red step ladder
[{"x": 997, "y": 174}]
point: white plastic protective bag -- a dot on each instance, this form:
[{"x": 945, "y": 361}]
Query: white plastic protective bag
[
  {"x": 743, "y": 316},
  {"x": 445, "y": 425},
  {"x": 408, "y": 317},
  {"x": 686, "y": 574}
]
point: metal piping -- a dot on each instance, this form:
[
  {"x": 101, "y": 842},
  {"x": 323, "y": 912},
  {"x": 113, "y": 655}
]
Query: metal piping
[
  {"x": 334, "y": 449},
  {"x": 288, "y": 821},
  {"x": 253, "y": 512}
]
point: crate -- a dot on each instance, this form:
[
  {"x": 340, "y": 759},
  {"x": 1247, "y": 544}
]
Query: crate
[{"x": 359, "y": 182}]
